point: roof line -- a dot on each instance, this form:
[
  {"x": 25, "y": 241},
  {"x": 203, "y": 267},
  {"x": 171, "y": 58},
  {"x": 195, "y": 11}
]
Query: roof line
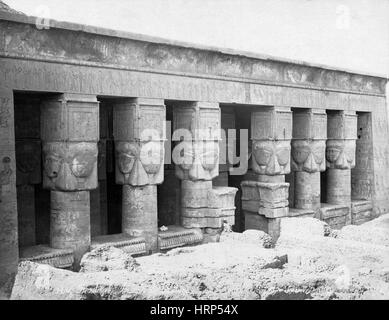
[{"x": 21, "y": 18}]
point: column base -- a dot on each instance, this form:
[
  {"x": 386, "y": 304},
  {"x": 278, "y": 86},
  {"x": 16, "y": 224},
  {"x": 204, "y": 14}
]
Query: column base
[
  {"x": 176, "y": 236},
  {"x": 336, "y": 215},
  {"x": 140, "y": 214},
  {"x": 259, "y": 222},
  {"x": 57, "y": 258},
  {"x": 361, "y": 211},
  {"x": 133, "y": 245}
]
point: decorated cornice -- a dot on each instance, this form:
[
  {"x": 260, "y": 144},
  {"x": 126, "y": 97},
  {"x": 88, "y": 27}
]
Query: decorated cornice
[{"x": 85, "y": 45}]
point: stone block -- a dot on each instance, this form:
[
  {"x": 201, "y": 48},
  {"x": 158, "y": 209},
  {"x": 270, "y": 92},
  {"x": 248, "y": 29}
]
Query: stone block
[
  {"x": 178, "y": 236},
  {"x": 139, "y": 120},
  {"x": 70, "y": 117},
  {"x": 258, "y": 222},
  {"x": 268, "y": 195},
  {"x": 361, "y": 211},
  {"x": 43, "y": 254},
  {"x": 195, "y": 194},
  {"x": 271, "y": 123},
  {"x": 132, "y": 245},
  {"x": 337, "y": 216}
]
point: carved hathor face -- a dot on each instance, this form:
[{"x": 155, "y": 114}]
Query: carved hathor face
[
  {"x": 340, "y": 154},
  {"x": 196, "y": 160},
  {"x": 139, "y": 163},
  {"x": 70, "y": 166},
  {"x": 271, "y": 157},
  {"x": 308, "y": 155}
]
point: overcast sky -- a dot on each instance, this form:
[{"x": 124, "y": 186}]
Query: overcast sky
[{"x": 347, "y": 34}]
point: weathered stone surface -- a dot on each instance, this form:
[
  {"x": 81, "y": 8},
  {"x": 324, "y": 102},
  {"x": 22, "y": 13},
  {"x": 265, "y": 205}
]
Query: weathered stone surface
[
  {"x": 338, "y": 186},
  {"x": 8, "y": 220},
  {"x": 43, "y": 254},
  {"x": 361, "y": 211},
  {"x": 307, "y": 190},
  {"x": 140, "y": 214},
  {"x": 362, "y": 175},
  {"x": 70, "y": 117},
  {"x": 336, "y": 216},
  {"x": 107, "y": 258},
  {"x": 70, "y": 166},
  {"x": 139, "y": 133},
  {"x": 197, "y": 155},
  {"x": 70, "y": 222},
  {"x": 131, "y": 245},
  {"x": 176, "y": 236}
]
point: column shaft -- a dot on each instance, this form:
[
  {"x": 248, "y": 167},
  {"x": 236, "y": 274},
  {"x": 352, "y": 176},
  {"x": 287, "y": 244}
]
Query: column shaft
[
  {"x": 70, "y": 222},
  {"x": 338, "y": 186},
  {"x": 140, "y": 214}
]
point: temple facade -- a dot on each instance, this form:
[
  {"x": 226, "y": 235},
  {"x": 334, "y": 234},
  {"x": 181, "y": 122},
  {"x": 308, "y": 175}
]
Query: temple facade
[{"x": 91, "y": 121}]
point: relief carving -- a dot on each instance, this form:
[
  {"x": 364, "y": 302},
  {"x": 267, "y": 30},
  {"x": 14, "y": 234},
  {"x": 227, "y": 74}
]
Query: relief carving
[
  {"x": 139, "y": 164},
  {"x": 340, "y": 154},
  {"x": 271, "y": 157},
  {"x": 308, "y": 155},
  {"x": 70, "y": 166},
  {"x": 196, "y": 160}
]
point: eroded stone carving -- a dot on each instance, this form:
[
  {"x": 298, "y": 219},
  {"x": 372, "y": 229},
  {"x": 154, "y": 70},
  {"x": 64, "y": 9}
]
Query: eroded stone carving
[
  {"x": 340, "y": 154},
  {"x": 196, "y": 156},
  {"x": 70, "y": 166},
  {"x": 308, "y": 155},
  {"x": 139, "y": 132},
  {"x": 139, "y": 164},
  {"x": 271, "y": 157}
]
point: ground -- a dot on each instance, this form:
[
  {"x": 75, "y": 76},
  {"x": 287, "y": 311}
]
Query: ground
[{"x": 352, "y": 263}]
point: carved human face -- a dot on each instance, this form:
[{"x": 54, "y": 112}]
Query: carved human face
[
  {"x": 271, "y": 157},
  {"x": 308, "y": 156},
  {"x": 139, "y": 163},
  {"x": 52, "y": 163},
  {"x": 127, "y": 154},
  {"x": 340, "y": 154},
  {"x": 82, "y": 163},
  {"x": 151, "y": 156},
  {"x": 70, "y": 166},
  {"x": 196, "y": 160}
]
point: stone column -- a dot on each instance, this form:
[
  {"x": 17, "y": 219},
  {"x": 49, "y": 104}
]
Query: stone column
[
  {"x": 340, "y": 155},
  {"x": 265, "y": 197},
  {"x": 308, "y": 156},
  {"x": 139, "y": 133},
  {"x": 70, "y": 132},
  {"x": 196, "y": 158}
]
